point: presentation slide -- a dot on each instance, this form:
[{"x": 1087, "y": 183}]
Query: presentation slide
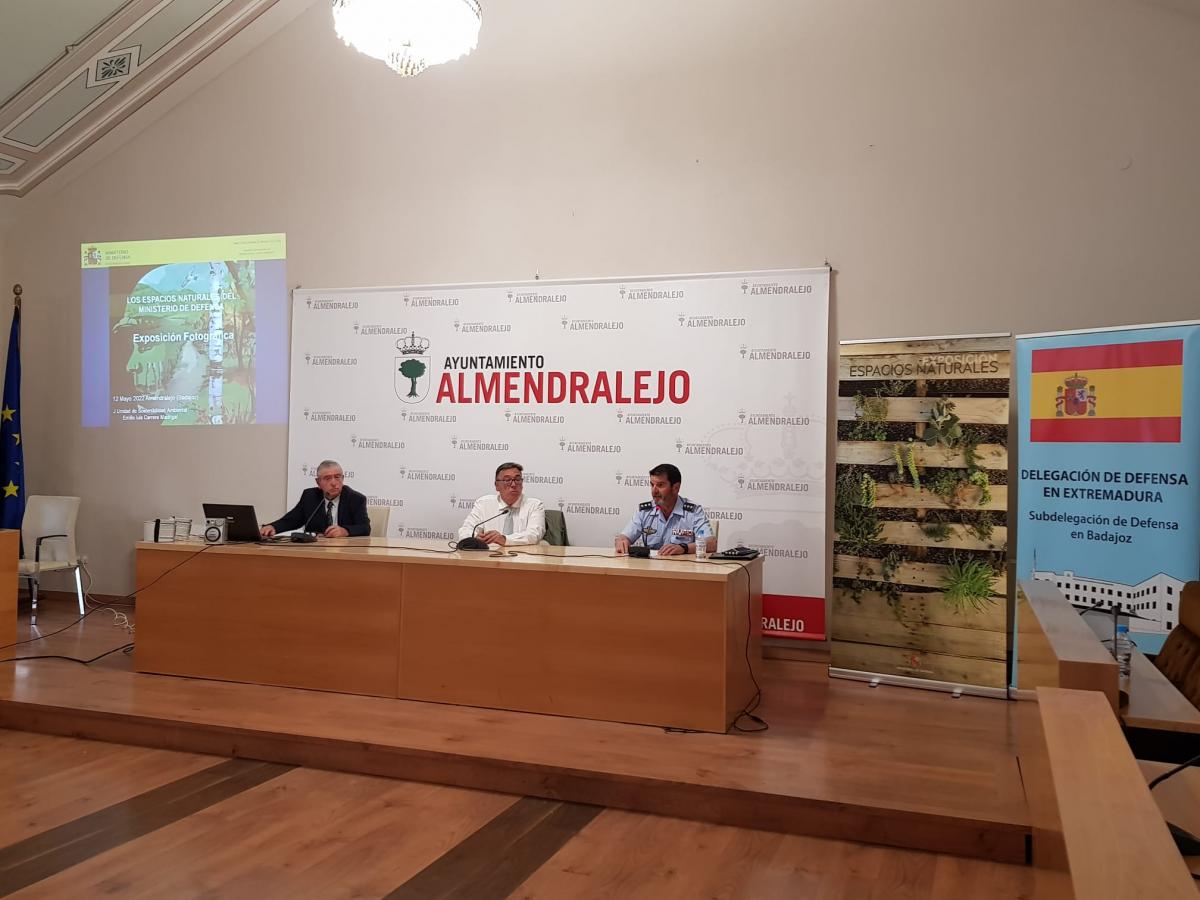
[{"x": 188, "y": 331}]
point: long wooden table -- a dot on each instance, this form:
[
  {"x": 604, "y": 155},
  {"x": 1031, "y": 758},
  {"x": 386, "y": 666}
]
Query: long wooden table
[{"x": 564, "y": 630}]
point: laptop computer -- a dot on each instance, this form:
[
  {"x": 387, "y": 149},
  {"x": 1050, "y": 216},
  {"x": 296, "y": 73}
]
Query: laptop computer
[{"x": 242, "y": 523}]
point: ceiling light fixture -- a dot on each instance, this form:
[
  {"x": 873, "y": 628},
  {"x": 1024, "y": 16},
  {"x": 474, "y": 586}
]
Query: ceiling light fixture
[{"x": 409, "y": 35}]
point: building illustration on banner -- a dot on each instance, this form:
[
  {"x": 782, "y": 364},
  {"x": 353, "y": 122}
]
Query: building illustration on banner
[{"x": 1155, "y": 600}]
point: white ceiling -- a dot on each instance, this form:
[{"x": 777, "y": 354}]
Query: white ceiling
[{"x": 35, "y": 33}]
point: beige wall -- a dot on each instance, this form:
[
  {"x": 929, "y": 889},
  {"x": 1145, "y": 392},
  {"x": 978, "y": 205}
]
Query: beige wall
[{"x": 965, "y": 166}]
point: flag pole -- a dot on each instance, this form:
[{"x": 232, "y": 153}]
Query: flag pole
[{"x": 17, "y": 297}]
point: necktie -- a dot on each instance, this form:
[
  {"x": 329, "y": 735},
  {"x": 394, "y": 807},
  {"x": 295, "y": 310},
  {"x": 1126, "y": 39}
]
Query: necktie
[
  {"x": 328, "y": 513},
  {"x": 508, "y": 523}
]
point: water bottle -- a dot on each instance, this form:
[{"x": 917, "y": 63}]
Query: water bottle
[{"x": 1123, "y": 649}]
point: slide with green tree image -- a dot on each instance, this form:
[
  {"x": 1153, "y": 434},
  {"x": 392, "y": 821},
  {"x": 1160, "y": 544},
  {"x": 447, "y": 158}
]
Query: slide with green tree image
[{"x": 183, "y": 342}]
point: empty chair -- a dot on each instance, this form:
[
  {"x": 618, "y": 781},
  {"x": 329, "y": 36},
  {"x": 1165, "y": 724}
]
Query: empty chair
[
  {"x": 379, "y": 516},
  {"x": 48, "y": 539}
]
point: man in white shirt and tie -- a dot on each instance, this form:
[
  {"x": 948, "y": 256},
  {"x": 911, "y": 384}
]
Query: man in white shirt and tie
[{"x": 508, "y": 516}]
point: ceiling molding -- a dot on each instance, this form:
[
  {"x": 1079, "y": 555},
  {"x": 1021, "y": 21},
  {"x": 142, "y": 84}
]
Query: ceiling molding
[{"x": 118, "y": 68}]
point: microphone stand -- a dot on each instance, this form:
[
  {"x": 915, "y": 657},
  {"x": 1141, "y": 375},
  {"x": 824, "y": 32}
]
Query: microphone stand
[
  {"x": 642, "y": 552},
  {"x": 473, "y": 542}
]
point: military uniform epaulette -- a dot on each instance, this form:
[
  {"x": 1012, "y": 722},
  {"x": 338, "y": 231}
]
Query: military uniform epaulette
[
  {"x": 689, "y": 506},
  {"x": 649, "y": 504}
]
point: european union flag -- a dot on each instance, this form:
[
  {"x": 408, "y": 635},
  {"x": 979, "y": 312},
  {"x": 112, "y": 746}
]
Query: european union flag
[{"x": 12, "y": 462}]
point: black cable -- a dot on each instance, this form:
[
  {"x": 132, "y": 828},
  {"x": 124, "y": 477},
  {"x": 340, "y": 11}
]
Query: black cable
[
  {"x": 1175, "y": 771},
  {"x": 86, "y": 662},
  {"x": 53, "y": 633},
  {"x": 128, "y": 596}
]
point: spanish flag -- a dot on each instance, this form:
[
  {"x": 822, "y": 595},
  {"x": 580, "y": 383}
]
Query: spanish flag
[{"x": 1108, "y": 393}]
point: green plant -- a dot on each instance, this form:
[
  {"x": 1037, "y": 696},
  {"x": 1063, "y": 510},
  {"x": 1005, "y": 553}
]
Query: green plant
[
  {"x": 898, "y": 456},
  {"x": 943, "y": 427},
  {"x": 978, "y": 523},
  {"x": 888, "y": 566},
  {"x": 897, "y": 388},
  {"x": 872, "y": 409},
  {"x": 911, "y": 461},
  {"x": 854, "y": 516},
  {"x": 980, "y": 480},
  {"x": 937, "y": 531},
  {"x": 945, "y": 483},
  {"x": 867, "y": 490},
  {"x": 968, "y": 584},
  {"x": 863, "y": 430}
]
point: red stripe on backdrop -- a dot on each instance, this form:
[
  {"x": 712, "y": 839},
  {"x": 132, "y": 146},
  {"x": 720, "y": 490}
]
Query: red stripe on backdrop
[
  {"x": 798, "y": 618},
  {"x": 1164, "y": 430},
  {"x": 1109, "y": 356}
]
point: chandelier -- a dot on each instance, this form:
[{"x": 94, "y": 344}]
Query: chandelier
[{"x": 409, "y": 35}]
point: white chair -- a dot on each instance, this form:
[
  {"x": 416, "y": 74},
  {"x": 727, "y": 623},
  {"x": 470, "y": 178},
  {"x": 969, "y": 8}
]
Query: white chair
[
  {"x": 379, "y": 516},
  {"x": 48, "y": 532}
]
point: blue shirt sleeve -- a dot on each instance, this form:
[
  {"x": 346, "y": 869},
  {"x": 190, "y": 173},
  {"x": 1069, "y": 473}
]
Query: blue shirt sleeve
[{"x": 634, "y": 528}]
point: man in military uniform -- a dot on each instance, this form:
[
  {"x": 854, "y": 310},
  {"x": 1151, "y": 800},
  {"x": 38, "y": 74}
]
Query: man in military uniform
[{"x": 667, "y": 523}]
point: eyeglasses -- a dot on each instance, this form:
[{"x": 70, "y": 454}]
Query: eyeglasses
[{"x": 510, "y": 481}]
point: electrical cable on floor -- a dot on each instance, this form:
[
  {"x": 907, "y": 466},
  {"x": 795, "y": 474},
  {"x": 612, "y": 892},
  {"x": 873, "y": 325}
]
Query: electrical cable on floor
[{"x": 117, "y": 618}]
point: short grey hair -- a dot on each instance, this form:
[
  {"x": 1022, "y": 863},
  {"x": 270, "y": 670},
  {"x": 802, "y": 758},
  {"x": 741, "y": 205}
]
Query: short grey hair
[{"x": 328, "y": 464}]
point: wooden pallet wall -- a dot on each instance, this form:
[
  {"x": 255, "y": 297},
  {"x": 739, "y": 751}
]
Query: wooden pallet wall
[{"x": 916, "y": 633}]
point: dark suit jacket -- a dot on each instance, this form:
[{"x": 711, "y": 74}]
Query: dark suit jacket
[{"x": 351, "y": 513}]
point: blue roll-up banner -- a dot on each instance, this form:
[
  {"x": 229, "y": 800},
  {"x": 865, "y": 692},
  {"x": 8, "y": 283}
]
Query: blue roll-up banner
[{"x": 1109, "y": 469}]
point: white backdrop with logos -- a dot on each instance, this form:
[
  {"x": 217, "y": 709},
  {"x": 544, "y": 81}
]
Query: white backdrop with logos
[{"x": 421, "y": 392}]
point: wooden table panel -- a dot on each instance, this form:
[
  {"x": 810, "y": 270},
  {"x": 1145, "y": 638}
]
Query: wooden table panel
[
  {"x": 569, "y": 631},
  {"x": 10, "y": 549},
  {"x": 580, "y": 645},
  {"x": 330, "y": 624}
]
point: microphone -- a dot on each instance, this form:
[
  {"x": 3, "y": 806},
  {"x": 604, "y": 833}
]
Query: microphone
[
  {"x": 303, "y": 536},
  {"x": 642, "y": 552},
  {"x": 474, "y": 543}
]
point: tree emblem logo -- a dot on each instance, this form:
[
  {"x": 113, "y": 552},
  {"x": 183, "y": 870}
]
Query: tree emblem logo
[
  {"x": 356, "y": 328},
  {"x": 562, "y": 443},
  {"x": 306, "y": 412},
  {"x": 622, "y": 292},
  {"x": 561, "y": 502},
  {"x": 741, "y": 481},
  {"x": 742, "y": 350},
  {"x": 454, "y": 441},
  {"x": 742, "y": 416},
  {"x": 304, "y": 468},
  {"x": 453, "y": 500},
  {"x": 353, "y": 440},
  {"x": 412, "y": 369},
  {"x": 678, "y": 445},
  {"x": 565, "y": 321},
  {"x": 508, "y": 415},
  {"x": 307, "y": 358},
  {"x": 682, "y": 319},
  {"x": 620, "y": 416},
  {"x": 745, "y": 285},
  {"x": 618, "y": 478},
  {"x": 404, "y": 415},
  {"x": 308, "y": 302},
  {"x": 457, "y": 324}
]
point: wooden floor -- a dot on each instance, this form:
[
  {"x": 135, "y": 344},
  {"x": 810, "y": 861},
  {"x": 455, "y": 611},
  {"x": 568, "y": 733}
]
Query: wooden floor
[
  {"x": 81, "y": 818},
  {"x": 844, "y": 761}
]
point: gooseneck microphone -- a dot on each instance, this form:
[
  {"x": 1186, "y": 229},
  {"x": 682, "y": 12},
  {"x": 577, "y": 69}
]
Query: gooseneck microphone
[
  {"x": 303, "y": 536},
  {"x": 474, "y": 543},
  {"x": 642, "y": 552}
]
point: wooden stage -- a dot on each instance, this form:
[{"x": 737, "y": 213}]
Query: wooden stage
[{"x": 884, "y": 765}]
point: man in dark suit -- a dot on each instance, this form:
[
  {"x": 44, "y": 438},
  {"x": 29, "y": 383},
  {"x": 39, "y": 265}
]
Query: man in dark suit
[{"x": 331, "y": 508}]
